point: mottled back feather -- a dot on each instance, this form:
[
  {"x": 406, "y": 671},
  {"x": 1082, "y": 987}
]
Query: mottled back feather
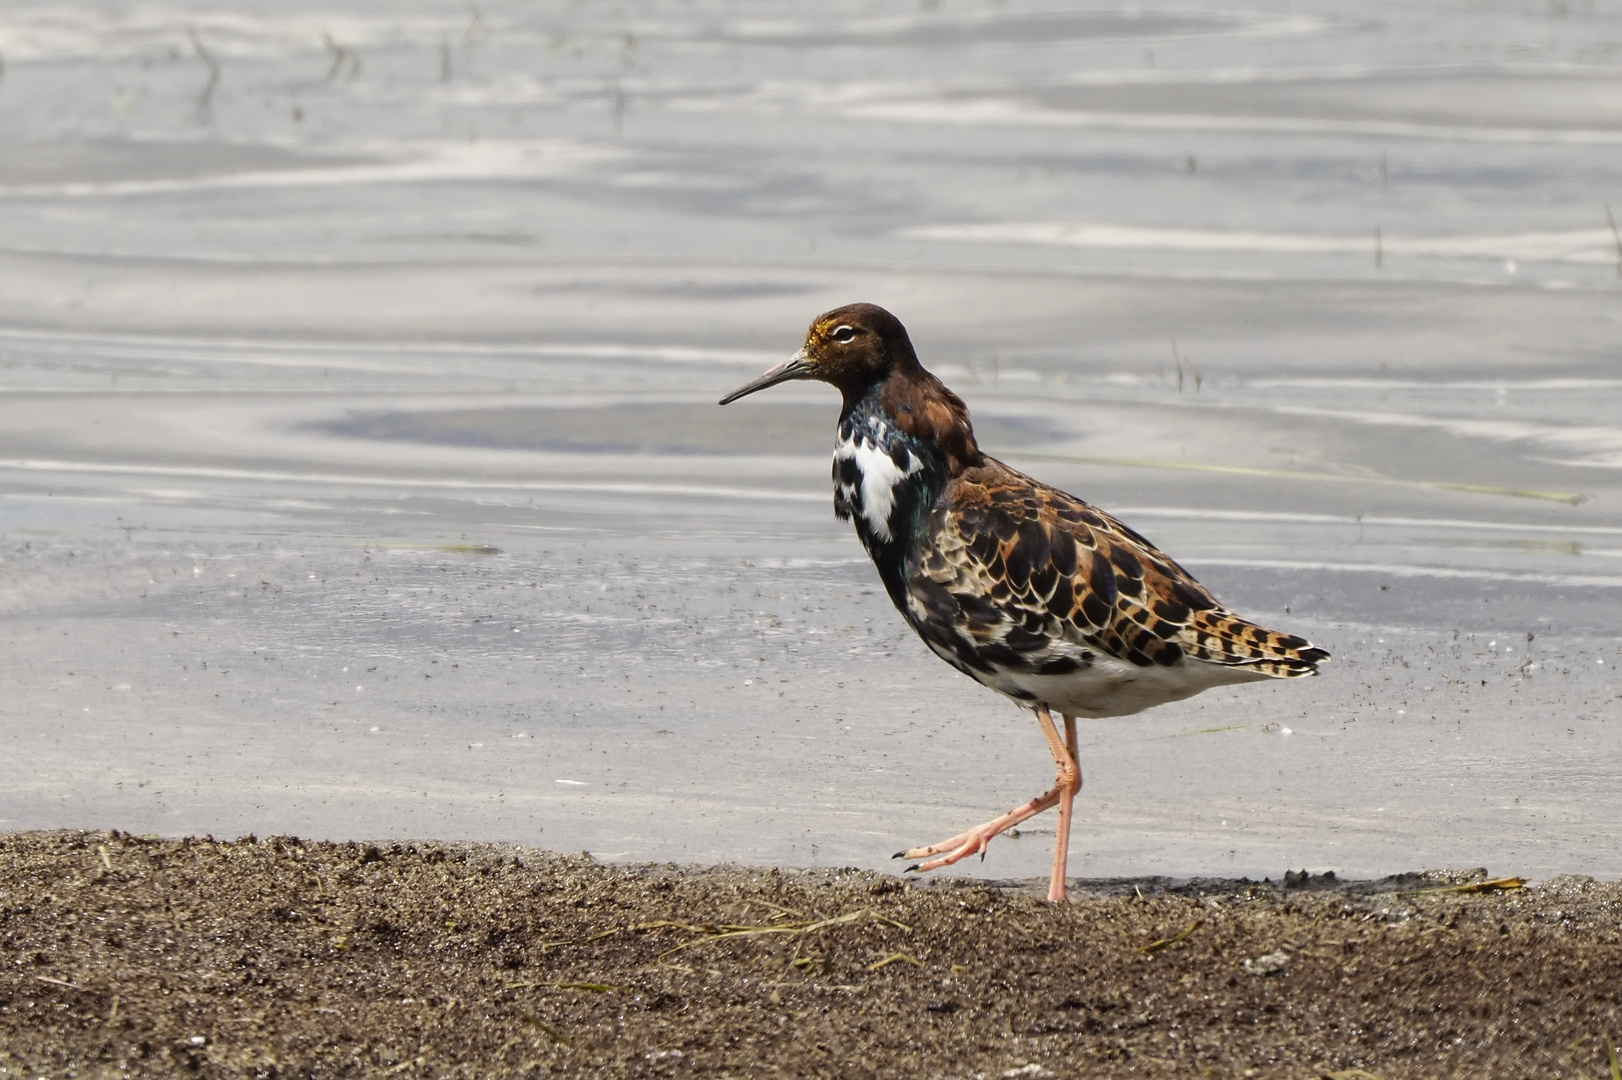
[{"x": 1026, "y": 565}]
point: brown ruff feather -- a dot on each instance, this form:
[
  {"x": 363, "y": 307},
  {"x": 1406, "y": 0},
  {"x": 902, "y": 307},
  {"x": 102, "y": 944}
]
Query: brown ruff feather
[{"x": 926, "y": 409}]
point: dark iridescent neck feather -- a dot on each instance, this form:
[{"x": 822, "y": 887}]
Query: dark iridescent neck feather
[{"x": 886, "y": 480}]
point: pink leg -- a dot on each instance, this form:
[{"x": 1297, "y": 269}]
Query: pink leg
[
  {"x": 974, "y": 841},
  {"x": 1067, "y": 796}
]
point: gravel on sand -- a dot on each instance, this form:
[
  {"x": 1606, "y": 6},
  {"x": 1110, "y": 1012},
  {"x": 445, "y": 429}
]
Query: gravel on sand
[{"x": 282, "y": 957}]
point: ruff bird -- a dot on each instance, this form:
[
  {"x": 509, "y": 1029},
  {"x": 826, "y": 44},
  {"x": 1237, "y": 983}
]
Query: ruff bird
[{"x": 1023, "y": 588}]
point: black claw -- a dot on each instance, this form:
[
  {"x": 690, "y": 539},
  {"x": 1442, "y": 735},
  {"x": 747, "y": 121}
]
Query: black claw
[
  {"x": 913, "y": 869},
  {"x": 899, "y": 855}
]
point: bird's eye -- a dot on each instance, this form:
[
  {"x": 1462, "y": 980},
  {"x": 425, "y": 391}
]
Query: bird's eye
[{"x": 843, "y": 334}]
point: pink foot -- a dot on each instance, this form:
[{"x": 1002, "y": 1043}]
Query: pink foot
[{"x": 974, "y": 841}]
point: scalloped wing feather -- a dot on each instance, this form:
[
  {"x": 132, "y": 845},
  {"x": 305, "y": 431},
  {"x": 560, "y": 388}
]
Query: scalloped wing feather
[{"x": 1026, "y": 575}]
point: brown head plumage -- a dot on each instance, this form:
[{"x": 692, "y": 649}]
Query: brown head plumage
[{"x": 859, "y": 346}]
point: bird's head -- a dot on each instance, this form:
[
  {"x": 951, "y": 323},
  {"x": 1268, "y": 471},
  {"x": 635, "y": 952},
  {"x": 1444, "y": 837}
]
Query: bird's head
[
  {"x": 861, "y": 346},
  {"x": 851, "y": 347}
]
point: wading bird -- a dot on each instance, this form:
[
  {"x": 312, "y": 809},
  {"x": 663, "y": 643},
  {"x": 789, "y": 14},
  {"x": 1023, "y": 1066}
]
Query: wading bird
[{"x": 1021, "y": 587}]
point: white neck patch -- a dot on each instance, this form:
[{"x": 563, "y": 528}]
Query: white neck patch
[{"x": 875, "y": 495}]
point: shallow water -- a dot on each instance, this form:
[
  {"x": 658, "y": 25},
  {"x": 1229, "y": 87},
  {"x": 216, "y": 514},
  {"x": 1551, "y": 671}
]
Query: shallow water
[{"x": 360, "y": 473}]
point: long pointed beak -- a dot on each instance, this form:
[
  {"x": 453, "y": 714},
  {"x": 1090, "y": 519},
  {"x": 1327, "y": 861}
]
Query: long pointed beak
[{"x": 797, "y": 366}]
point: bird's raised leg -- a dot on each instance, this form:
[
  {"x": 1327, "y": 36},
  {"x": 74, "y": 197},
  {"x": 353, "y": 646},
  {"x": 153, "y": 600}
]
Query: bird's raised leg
[
  {"x": 1068, "y": 786},
  {"x": 974, "y": 841}
]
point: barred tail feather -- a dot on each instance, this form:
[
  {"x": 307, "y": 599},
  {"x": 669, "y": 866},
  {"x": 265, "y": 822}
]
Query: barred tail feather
[{"x": 1221, "y": 637}]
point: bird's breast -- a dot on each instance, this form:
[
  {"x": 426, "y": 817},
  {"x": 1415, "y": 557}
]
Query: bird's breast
[{"x": 874, "y": 470}]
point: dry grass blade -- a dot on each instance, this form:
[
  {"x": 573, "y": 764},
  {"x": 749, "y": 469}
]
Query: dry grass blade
[
  {"x": 589, "y": 937},
  {"x": 1616, "y": 236},
  {"x": 892, "y": 958},
  {"x": 596, "y": 988},
  {"x": 340, "y": 55},
  {"x": 739, "y": 932},
  {"x": 1610, "y": 1056},
  {"x": 1495, "y": 885},
  {"x": 1351, "y": 1074},
  {"x": 1205, "y": 731},
  {"x": 58, "y": 982},
  {"x": 1165, "y": 942},
  {"x": 723, "y": 932},
  {"x": 205, "y": 99},
  {"x": 547, "y": 1029},
  {"x": 778, "y": 911},
  {"x": 691, "y": 928}
]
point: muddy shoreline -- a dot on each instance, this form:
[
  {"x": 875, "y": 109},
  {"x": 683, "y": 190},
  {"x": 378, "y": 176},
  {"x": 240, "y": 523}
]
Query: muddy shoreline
[{"x": 281, "y": 957}]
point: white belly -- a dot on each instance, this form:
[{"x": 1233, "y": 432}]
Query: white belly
[{"x": 1111, "y": 687}]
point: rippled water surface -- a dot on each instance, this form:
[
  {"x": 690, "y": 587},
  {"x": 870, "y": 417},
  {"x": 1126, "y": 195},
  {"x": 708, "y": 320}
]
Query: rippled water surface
[{"x": 360, "y": 473}]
